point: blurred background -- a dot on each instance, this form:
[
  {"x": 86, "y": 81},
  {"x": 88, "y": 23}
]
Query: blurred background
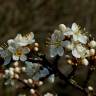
[{"x": 42, "y": 17}]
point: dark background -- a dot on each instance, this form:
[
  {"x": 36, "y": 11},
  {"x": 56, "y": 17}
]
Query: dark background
[{"x": 42, "y": 17}]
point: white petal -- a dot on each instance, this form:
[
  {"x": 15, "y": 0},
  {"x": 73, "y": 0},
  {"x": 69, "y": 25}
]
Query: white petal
[
  {"x": 75, "y": 37},
  {"x": 2, "y": 52},
  {"x": 65, "y": 43},
  {"x": 44, "y": 72},
  {"x": 11, "y": 42},
  {"x": 51, "y": 78},
  {"x": 23, "y": 58},
  {"x": 21, "y": 43},
  {"x": 12, "y": 49},
  {"x": 1, "y": 49},
  {"x": 83, "y": 39},
  {"x": 30, "y": 38},
  {"x": 31, "y": 35},
  {"x": 75, "y": 27},
  {"x": 7, "y": 60},
  {"x": 31, "y": 41},
  {"x": 18, "y": 37},
  {"x": 53, "y": 51},
  {"x": 24, "y": 42},
  {"x": 68, "y": 32},
  {"x": 75, "y": 53},
  {"x": 15, "y": 57},
  {"x": 53, "y": 37},
  {"x": 60, "y": 51},
  {"x": 26, "y": 50},
  {"x": 59, "y": 35}
]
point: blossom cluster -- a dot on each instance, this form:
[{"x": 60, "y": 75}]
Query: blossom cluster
[
  {"x": 18, "y": 58},
  {"x": 72, "y": 40},
  {"x": 17, "y": 63}
]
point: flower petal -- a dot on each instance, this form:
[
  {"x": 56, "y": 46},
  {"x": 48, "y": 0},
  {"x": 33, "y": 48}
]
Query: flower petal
[
  {"x": 44, "y": 72},
  {"x": 23, "y": 58},
  {"x": 15, "y": 57},
  {"x": 26, "y": 50},
  {"x": 11, "y": 42},
  {"x": 75, "y": 27},
  {"x": 60, "y": 51},
  {"x": 12, "y": 49},
  {"x": 65, "y": 43},
  {"x": 68, "y": 32},
  {"x": 75, "y": 37},
  {"x": 31, "y": 35},
  {"x": 2, "y": 52},
  {"x": 18, "y": 37},
  {"x": 83, "y": 39},
  {"x": 53, "y": 51},
  {"x": 21, "y": 43},
  {"x": 75, "y": 53},
  {"x": 53, "y": 37},
  {"x": 7, "y": 60}
]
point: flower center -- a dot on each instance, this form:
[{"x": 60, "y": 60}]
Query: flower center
[
  {"x": 58, "y": 43},
  {"x": 19, "y": 52},
  {"x": 78, "y": 32}
]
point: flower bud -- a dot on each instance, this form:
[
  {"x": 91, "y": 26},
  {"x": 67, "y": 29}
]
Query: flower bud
[
  {"x": 36, "y": 48},
  {"x": 17, "y": 69},
  {"x": 36, "y": 44},
  {"x": 6, "y": 71},
  {"x": 16, "y": 64},
  {"x": 40, "y": 83},
  {"x": 11, "y": 69},
  {"x": 26, "y": 81},
  {"x": 92, "y": 52},
  {"x": 23, "y": 69},
  {"x": 62, "y": 27},
  {"x": 11, "y": 73},
  {"x": 92, "y": 43},
  {"x": 30, "y": 81},
  {"x": 32, "y": 91},
  {"x": 16, "y": 76},
  {"x": 69, "y": 61},
  {"x": 85, "y": 61},
  {"x": 90, "y": 88}
]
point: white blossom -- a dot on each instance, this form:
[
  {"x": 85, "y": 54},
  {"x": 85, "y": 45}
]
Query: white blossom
[
  {"x": 22, "y": 40},
  {"x": 57, "y": 44},
  {"x": 76, "y": 33},
  {"x": 79, "y": 51},
  {"x": 18, "y": 45},
  {"x": 19, "y": 53}
]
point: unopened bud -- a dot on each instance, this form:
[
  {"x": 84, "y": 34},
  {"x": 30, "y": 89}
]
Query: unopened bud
[
  {"x": 62, "y": 27},
  {"x": 92, "y": 52},
  {"x": 92, "y": 43},
  {"x": 32, "y": 91},
  {"x": 85, "y": 61}
]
